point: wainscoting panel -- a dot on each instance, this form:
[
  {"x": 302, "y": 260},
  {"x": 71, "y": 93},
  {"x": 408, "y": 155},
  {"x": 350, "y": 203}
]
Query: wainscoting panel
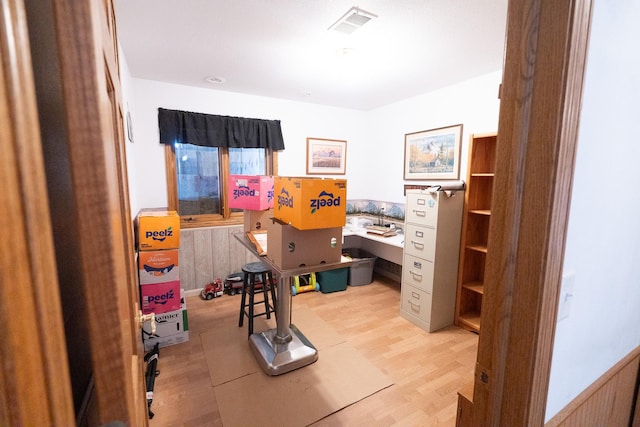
[
  {"x": 210, "y": 253},
  {"x": 606, "y": 402}
]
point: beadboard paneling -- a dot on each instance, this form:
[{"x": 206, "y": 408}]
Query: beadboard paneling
[
  {"x": 203, "y": 257},
  {"x": 606, "y": 402},
  {"x": 187, "y": 260},
  {"x": 209, "y": 253}
]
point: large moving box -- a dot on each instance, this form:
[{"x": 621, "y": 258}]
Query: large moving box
[
  {"x": 157, "y": 228},
  {"x": 310, "y": 203},
  {"x": 289, "y": 247},
  {"x": 253, "y": 192}
]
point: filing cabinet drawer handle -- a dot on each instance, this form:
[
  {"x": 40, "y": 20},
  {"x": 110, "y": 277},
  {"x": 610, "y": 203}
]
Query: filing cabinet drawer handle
[
  {"x": 414, "y": 307},
  {"x": 418, "y": 245},
  {"x": 416, "y": 275},
  {"x": 420, "y": 213}
]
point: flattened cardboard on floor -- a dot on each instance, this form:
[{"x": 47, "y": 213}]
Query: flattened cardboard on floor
[{"x": 340, "y": 377}]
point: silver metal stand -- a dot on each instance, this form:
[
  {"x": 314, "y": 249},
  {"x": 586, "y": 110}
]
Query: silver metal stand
[{"x": 284, "y": 348}]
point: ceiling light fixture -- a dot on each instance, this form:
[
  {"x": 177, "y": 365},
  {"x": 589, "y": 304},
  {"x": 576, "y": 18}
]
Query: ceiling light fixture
[
  {"x": 215, "y": 80},
  {"x": 352, "y": 20}
]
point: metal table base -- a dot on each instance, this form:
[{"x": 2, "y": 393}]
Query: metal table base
[
  {"x": 284, "y": 348},
  {"x": 277, "y": 359}
]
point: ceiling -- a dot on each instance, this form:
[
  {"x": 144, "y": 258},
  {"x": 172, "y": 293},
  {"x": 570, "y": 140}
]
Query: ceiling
[{"x": 284, "y": 48}]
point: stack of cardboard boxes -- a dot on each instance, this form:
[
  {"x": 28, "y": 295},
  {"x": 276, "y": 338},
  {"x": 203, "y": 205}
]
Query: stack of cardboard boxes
[
  {"x": 158, "y": 242},
  {"x": 304, "y": 228}
]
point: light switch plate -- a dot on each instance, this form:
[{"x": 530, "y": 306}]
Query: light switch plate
[{"x": 566, "y": 294}]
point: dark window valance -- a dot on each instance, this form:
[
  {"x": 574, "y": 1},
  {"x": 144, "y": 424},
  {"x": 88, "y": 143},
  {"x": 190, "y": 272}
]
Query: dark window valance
[{"x": 218, "y": 131}]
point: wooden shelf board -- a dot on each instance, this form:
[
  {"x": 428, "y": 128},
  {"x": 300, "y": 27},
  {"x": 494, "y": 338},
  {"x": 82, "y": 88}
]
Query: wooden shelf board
[
  {"x": 480, "y": 211},
  {"x": 485, "y": 174},
  {"x": 476, "y": 286},
  {"x": 478, "y": 248},
  {"x": 467, "y": 391},
  {"x": 470, "y": 321}
]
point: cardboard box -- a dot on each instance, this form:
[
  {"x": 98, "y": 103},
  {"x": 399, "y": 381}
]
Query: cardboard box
[
  {"x": 289, "y": 247},
  {"x": 158, "y": 266},
  {"x": 310, "y": 203},
  {"x": 157, "y": 228},
  {"x": 160, "y": 297},
  {"x": 254, "y": 192},
  {"x": 257, "y": 220},
  {"x": 171, "y": 328},
  {"x": 166, "y": 341}
]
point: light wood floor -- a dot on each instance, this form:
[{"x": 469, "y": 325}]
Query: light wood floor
[{"x": 427, "y": 368}]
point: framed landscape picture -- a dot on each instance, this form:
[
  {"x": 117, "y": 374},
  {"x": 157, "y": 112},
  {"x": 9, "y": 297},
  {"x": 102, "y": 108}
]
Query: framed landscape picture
[
  {"x": 433, "y": 154},
  {"x": 326, "y": 156}
]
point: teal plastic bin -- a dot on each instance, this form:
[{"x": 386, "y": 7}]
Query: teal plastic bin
[{"x": 333, "y": 280}]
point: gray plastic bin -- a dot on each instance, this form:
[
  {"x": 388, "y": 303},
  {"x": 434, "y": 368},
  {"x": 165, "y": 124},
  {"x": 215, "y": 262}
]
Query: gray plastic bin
[{"x": 361, "y": 270}]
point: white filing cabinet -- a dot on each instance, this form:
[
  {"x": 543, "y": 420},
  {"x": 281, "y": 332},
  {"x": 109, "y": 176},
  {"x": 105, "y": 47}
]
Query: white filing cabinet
[{"x": 433, "y": 220}]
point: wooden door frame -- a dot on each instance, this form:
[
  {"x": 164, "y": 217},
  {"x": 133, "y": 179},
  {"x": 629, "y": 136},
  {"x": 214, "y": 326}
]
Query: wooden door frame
[
  {"x": 540, "y": 106},
  {"x": 93, "y": 112},
  {"x": 34, "y": 381}
]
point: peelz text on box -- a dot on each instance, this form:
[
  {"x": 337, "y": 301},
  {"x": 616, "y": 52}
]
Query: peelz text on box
[
  {"x": 161, "y": 235},
  {"x": 310, "y": 203},
  {"x": 324, "y": 199},
  {"x": 250, "y": 192},
  {"x": 160, "y": 297},
  {"x": 158, "y": 229}
]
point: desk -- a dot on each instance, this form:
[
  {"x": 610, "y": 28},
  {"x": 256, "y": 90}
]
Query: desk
[
  {"x": 389, "y": 248},
  {"x": 284, "y": 348}
]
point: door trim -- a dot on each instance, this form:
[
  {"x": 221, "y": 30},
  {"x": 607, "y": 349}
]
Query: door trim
[
  {"x": 540, "y": 107},
  {"x": 36, "y": 389}
]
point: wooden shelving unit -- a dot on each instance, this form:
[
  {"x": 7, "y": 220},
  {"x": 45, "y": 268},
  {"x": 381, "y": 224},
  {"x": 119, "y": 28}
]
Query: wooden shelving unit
[{"x": 475, "y": 230}]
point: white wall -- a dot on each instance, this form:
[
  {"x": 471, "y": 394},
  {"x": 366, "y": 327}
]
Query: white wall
[
  {"x": 128, "y": 104},
  {"x": 603, "y": 241},
  {"x": 299, "y": 121},
  {"x": 474, "y": 103},
  {"x": 375, "y": 139}
]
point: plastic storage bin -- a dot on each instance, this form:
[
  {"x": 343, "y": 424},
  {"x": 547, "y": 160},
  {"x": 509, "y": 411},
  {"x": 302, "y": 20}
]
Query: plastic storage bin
[
  {"x": 333, "y": 280},
  {"x": 361, "y": 270}
]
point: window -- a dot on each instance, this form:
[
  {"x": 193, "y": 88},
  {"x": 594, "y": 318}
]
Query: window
[
  {"x": 197, "y": 179},
  {"x": 202, "y": 150}
]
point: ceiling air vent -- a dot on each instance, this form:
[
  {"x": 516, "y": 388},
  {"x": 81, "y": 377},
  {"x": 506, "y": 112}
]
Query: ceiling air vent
[{"x": 352, "y": 20}]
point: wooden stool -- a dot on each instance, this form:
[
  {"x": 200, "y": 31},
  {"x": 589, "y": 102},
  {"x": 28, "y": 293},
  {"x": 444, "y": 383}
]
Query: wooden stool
[{"x": 252, "y": 272}]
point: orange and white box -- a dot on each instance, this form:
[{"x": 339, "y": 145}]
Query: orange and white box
[
  {"x": 157, "y": 229},
  {"x": 310, "y": 203},
  {"x": 158, "y": 266}
]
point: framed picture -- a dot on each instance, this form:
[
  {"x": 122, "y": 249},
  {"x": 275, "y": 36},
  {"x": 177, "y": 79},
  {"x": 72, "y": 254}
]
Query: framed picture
[
  {"x": 326, "y": 156},
  {"x": 433, "y": 154}
]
